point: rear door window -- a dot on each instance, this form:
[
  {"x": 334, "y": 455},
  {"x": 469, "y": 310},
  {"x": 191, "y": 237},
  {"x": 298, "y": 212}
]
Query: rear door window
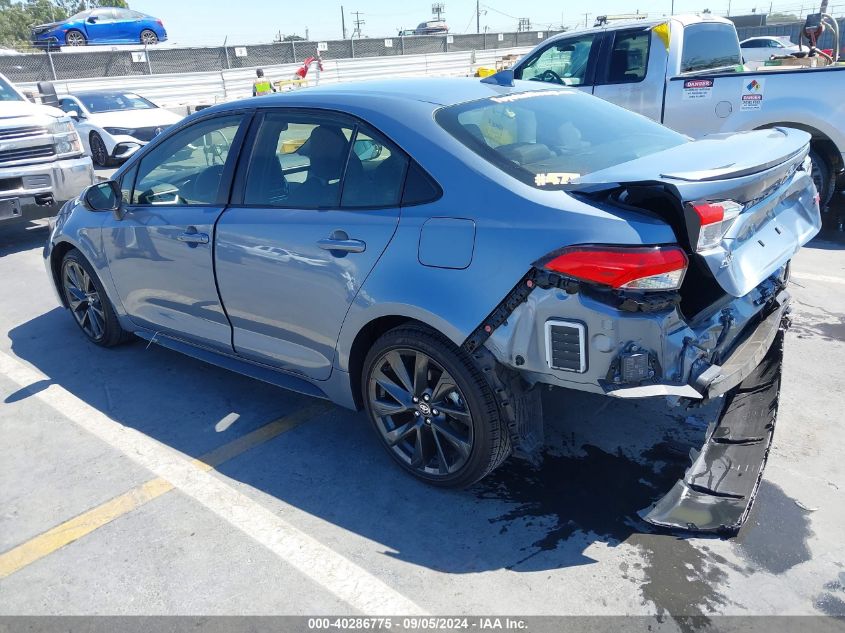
[
  {"x": 298, "y": 161},
  {"x": 628, "y": 59},
  {"x": 375, "y": 174},
  {"x": 313, "y": 161},
  {"x": 710, "y": 46}
]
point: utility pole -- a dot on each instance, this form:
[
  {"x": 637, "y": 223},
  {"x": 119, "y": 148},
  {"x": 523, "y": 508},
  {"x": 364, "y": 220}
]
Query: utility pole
[
  {"x": 358, "y": 23},
  {"x": 477, "y": 16},
  {"x": 673, "y": 8},
  {"x": 586, "y": 17},
  {"x": 343, "y": 21}
]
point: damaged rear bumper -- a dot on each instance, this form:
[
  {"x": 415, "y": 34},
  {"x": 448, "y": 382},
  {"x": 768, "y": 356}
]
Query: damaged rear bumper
[{"x": 717, "y": 491}]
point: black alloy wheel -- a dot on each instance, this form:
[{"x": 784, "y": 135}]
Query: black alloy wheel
[
  {"x": 87, "y": 301},
  {"x": 83, "y": 299},
  {"x": 432, "y": 408},
  {"x": 99, "y": 153}
]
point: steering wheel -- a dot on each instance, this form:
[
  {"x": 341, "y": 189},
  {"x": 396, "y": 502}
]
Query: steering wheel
[{"x": 548, "y": 76}]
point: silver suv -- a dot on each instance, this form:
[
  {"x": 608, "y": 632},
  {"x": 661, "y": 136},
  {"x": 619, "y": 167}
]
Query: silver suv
[{"x": 42, "y": 164}]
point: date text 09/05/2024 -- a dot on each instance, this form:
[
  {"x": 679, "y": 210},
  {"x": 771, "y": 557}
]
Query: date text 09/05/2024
[{"x": 417, "y": 623}]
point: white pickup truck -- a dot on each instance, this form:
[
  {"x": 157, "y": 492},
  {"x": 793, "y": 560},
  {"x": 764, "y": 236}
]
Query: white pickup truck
[
  {"x": 687, "y": 72},
  {"x": 42, "y": 164}
]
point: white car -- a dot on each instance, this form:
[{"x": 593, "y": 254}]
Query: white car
[
  {"x": 760, "y": 49},
  {"x": 114, "y": 125}
]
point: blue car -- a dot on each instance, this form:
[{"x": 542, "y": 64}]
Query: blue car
[
  {"x": 107, "y": 25},
  {"x": 434, "y": 251}
]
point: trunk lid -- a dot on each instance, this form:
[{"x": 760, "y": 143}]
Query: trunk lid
[{"x": 765, "y": 171}]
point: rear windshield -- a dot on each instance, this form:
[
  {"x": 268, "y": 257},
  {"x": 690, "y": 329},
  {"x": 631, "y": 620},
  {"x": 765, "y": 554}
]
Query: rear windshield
[
  {"x": 710, "y": 46},
  {"x": 549, "y": 138}
]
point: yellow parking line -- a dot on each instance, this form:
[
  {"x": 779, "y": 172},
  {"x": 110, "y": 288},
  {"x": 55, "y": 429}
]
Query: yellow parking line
[{"x": 55, "y": 538}]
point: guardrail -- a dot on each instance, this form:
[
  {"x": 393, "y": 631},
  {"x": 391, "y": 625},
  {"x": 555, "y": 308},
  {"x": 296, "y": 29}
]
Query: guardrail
[{"x": 206, "y": 88}]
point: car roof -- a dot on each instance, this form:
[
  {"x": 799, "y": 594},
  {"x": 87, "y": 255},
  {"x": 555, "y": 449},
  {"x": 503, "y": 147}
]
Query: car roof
[
  {"x": 435, "y": 91},
  {"x": 101, "y": 91},
  {"x": 615, "y": 25},
  {"x": 766, "y": 37}
]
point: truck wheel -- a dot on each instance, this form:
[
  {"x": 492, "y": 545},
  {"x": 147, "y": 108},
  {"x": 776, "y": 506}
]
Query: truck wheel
[
  {"x": 88, "y": 303},
  {"x": 432, "y": 408},
  {"x": 99, "y": 153},
  {"x": 148, "y": 37},
  {"x": 75, "y": 38},
  {"x": 823, "y": 176}
]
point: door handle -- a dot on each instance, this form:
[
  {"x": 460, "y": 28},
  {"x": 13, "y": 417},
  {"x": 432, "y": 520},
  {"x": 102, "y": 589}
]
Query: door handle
[
  {"x": 192, "y": 238},
  {"x": 340, "y": 241}
]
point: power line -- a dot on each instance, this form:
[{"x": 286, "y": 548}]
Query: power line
[{"x": 358, "y": 22}]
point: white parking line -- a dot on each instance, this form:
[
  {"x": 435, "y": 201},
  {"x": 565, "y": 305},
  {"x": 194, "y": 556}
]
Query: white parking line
[
  {"x": 814, "y": 277},
  {"x": 348, "y": 582}
]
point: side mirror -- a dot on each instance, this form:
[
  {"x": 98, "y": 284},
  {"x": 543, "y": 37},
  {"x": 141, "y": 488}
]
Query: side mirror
[
  {"x": 74, "y": 114},
  {"x": 92, "y": 20},
  {"x": 104, "y": 196},
  {"x": 366, "y": 149}
]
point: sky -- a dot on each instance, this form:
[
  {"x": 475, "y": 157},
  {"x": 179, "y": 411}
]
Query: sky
[{"x": 209, "y": 22}]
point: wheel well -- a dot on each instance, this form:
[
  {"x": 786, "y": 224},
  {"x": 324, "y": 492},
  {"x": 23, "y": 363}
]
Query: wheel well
[
  {"x": 820, "y": 142},
  {"x": 56, "y": 256},
  {"x": 368, "y": 335}
]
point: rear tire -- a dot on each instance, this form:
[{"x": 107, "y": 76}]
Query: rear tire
[
  {"x": 148, "y": 37},
  {"x": 75, "y": 38},
  {"x": 99, "y": 153},
  {"x": 453, "y": 435},
  {"x": 823, "y": 177},
  {"x": 88, "y": 302}
]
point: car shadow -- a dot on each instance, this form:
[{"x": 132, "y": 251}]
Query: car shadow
[
  {"x": 606, "y": 460},
  {"x": 22, "y": 236}
]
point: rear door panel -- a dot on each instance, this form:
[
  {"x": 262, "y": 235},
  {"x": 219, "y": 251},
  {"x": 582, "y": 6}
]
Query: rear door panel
[
  {"x": 285, "y": 290},
  {"x": 285, "y": 295}
]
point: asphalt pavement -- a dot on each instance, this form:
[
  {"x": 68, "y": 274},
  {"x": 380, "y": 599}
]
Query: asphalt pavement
[{"x": 139, "y": 481}]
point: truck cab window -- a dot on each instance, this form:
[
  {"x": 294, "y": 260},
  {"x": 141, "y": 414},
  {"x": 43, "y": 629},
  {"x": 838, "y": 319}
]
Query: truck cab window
[
  {"x": 629, "y": 57},
  {"x": 710, "y": 47},
  {"x": 563, "y": 62}
]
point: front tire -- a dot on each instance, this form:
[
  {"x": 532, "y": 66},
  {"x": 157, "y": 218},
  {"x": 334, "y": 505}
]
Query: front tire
[
  {"x": 148, "y": 37},
  {"x": 432, "y": 408},
  {"x": 75, "y": 38},
  {"x": 88, "y": 302},
  {"x": 99, "y": 153},
  {"x": 824, "y": 178}
]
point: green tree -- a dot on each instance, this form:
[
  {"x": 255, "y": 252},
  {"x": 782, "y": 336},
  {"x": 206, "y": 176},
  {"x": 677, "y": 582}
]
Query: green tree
[{"x": 75, "y": 6}]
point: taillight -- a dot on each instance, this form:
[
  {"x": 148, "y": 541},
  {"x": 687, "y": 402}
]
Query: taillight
[
  {"x": 715, "y": 218},
  {"x": 633, "y": 268}
]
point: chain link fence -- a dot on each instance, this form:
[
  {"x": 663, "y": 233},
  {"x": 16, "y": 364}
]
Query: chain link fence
[{"x": 160, "y": 60}]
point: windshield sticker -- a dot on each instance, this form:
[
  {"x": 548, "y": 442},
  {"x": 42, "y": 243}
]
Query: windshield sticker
[
  {"x": 695, "y": 89},
  {"x": 752, "y": 95},
  {"x": 519, "y": 96},
  {"x": 555, "y": 178}
]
